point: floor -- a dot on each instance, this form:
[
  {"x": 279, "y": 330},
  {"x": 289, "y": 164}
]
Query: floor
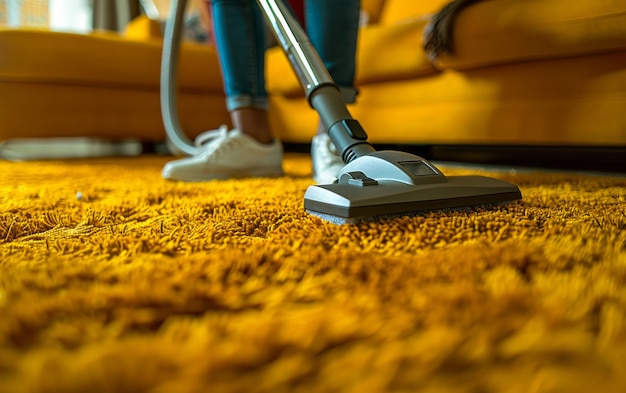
[{"x": 596, "y": 160}]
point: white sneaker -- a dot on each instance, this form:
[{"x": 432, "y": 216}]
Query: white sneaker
[
  {"x": 227, "y": 154},
  {"x": 326, "y": 160}
]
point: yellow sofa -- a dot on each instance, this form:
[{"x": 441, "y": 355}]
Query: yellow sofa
[{"x": 525, "y": 72}]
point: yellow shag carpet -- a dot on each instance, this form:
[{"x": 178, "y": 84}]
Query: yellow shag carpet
[{"x": 113, "y": 280}]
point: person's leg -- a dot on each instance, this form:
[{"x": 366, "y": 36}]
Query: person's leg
[
  {"x": 249, "y": 149},
  {"x": 240, "y": 41},
  {"x": 332, "y": 27},
  {"x": 253, "y": 122}
]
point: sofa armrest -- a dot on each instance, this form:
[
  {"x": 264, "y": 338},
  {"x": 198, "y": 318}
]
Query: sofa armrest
[{"x": 500, "y": 32}]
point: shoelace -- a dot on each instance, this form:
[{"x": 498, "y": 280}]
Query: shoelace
[{"x": 208, "y": 140}]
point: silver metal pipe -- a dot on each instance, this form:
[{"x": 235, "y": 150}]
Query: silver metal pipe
[
  {"x": 321, "y": 91},
  {"x": 303, "y": 57}
]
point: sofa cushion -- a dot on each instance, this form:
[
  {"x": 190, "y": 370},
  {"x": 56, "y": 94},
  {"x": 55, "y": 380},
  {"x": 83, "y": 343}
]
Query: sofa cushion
[
  {"x": 497, "y": 32},
  {"x": 385, "y": 53},
  {"x": 100, "y": 59}
]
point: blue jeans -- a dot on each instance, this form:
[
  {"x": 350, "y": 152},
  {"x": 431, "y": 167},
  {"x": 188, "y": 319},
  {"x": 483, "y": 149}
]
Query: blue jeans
[{"x": 332, "y": 27}]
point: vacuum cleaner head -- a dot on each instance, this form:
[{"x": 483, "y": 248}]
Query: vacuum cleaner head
[{"x": 390, "y": 183}]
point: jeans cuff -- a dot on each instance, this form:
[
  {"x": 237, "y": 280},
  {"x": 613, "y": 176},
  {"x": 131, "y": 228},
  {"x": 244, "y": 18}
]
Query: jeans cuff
[{"x": 246, "y": 101}]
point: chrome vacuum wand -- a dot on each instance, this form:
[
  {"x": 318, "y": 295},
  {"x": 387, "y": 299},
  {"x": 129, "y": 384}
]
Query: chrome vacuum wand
[{"x": 321, "y": 91}]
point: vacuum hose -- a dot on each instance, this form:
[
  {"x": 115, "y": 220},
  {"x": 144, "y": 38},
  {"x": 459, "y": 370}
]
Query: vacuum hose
[{"x": 169, "y": 79}]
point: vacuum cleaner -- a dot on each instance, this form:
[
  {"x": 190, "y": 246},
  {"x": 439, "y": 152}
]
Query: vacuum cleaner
[{"x": 372, "y": 183}]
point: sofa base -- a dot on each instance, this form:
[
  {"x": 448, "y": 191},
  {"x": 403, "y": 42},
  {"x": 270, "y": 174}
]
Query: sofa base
[
  {"x": 606, "y": 159},
  {"x": 39, "y": 110}
]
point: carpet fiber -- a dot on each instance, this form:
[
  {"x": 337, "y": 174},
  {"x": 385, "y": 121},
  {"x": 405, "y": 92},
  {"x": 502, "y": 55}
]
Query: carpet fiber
[{"x": 113, "y": 280}]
